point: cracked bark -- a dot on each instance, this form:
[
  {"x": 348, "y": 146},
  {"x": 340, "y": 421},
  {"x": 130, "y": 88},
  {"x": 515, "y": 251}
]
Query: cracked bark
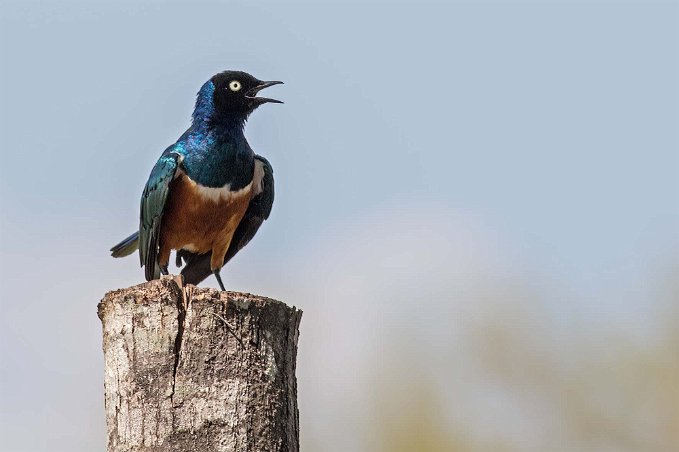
[{"x": 192, "y": 369}]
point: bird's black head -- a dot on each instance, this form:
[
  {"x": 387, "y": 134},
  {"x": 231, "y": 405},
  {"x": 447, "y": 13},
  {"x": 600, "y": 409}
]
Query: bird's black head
[{"x": 231, "y": 96}]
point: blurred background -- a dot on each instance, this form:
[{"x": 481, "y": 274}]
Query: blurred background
[{"x": 477, "y": 208}]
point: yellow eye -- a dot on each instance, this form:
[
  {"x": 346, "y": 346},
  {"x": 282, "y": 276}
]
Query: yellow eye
[{"x": 234, "y": 85}]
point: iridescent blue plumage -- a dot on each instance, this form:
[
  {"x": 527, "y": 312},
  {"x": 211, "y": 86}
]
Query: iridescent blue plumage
[
  {"x": 213, "y": 154},
  {"x": 205, "y": 106}
]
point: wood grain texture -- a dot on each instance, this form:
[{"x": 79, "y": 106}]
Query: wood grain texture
[{"x": 192, "y": 369}]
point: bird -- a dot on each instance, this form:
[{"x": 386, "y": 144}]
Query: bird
[{"x": 208, "y": 193}]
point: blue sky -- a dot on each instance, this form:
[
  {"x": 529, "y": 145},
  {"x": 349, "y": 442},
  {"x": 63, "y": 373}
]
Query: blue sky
[{"x": 532, "y": 142}]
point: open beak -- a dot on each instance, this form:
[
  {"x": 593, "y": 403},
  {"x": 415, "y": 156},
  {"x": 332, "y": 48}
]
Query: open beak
[{"x": 252, "y": 93}]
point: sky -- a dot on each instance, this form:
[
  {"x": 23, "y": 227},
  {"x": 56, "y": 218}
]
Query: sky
[{"x": 429, "y": 156}]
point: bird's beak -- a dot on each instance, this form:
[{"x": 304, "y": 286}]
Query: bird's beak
[{"x": 252, "y": 93}]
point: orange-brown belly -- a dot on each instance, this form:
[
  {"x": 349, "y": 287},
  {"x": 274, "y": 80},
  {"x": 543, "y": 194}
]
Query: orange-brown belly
[{"x": 200, "y": 219}]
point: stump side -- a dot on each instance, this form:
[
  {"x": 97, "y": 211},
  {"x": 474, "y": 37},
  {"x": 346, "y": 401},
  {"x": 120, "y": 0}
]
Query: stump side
[{"x": 192, "y": 369}]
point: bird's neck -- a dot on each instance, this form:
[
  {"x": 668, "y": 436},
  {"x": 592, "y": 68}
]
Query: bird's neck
[
  {"x": 207, "y": 120},
  {"x": 228, "y": 128}
]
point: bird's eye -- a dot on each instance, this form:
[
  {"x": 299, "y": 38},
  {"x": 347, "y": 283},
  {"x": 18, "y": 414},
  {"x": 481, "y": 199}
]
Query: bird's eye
[{"x": 234, "y": 85}]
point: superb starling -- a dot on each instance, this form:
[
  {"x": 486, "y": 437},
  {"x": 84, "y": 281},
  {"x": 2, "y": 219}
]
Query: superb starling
[{"x": 209, "y": 192}]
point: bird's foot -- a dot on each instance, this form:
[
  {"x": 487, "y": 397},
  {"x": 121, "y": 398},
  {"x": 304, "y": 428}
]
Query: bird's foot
[{"x": 163, "y": 270}]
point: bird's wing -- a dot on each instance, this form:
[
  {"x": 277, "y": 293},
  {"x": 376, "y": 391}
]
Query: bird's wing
[
  {"x": 198, "y": 265},
  {"x": 152, "y": 206},
  {"x": 131, "y": 243}
]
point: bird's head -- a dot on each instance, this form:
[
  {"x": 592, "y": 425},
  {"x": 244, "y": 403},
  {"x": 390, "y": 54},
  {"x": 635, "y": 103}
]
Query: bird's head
[{"x": 230, "y": 96}]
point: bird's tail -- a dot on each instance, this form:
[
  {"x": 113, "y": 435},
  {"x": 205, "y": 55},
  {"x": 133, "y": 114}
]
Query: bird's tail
[{"x": 127, "y": 246}]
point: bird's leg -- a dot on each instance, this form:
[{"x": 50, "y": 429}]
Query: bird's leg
[
  {"x": 219, "y": 278},
  {"x": 217, "y": 258},
  {"x": 163, "y": 258}
]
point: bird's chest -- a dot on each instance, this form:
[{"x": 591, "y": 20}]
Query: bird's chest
[
  {"x": 198, "y": 217},
  {"x": 214, "y": 166}
]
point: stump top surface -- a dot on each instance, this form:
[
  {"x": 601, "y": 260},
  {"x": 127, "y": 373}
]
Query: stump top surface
[{"x": 166, "y": 288}]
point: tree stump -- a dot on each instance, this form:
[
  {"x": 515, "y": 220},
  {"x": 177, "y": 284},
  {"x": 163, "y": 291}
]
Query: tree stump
[{"x": 193, "y": 369}]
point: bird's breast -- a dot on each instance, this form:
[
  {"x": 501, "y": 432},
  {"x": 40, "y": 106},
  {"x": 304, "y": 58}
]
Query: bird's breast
[{"x": 196, "y": 217}]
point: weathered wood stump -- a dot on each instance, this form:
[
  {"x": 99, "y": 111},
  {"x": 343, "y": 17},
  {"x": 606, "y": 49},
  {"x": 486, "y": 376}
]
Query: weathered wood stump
[{"x": 192, "y": 369}]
